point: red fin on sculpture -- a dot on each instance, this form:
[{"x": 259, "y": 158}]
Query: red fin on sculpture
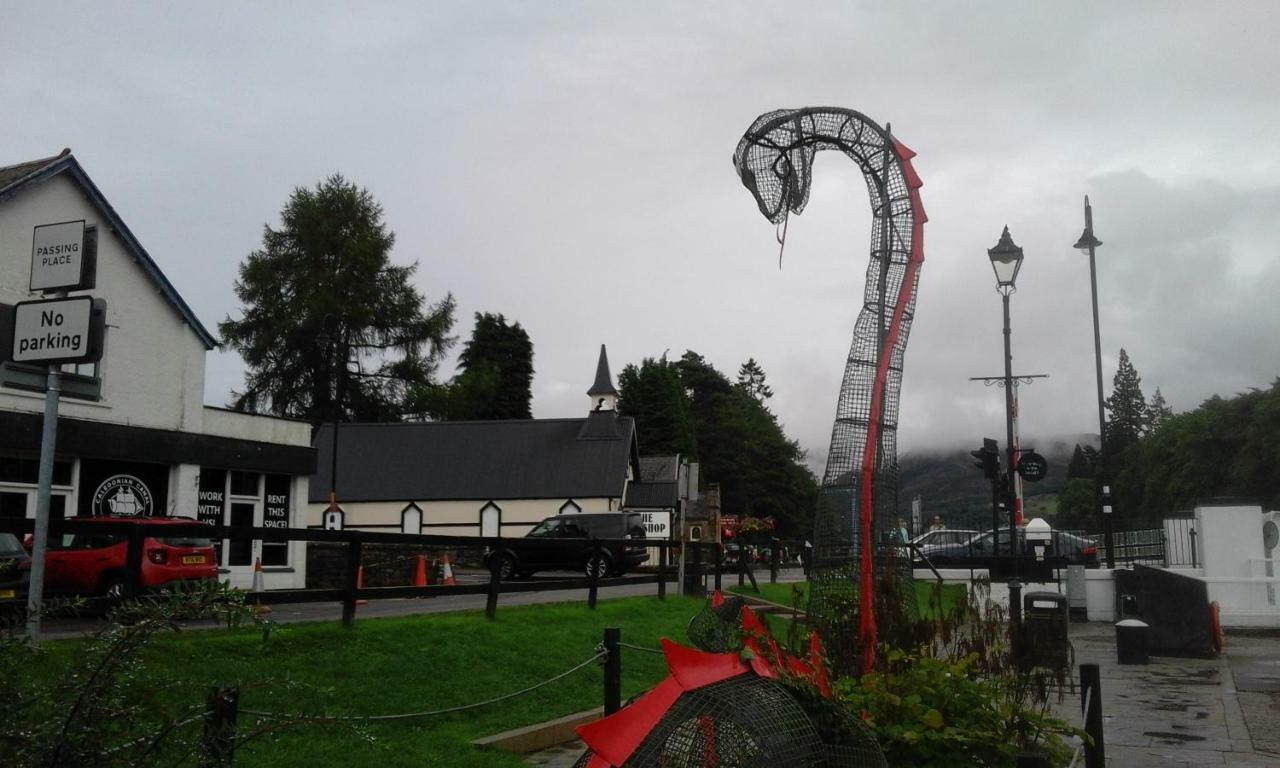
[
  {"x": 693, "y": 668},
  {"x": 615, "y": 737}
]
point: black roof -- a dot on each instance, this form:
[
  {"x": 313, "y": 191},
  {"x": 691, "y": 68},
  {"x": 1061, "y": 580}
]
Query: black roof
[
  {"x": 603, "y": 385},
  {"x": 460, "y": 460},
  {"x": 16, "y": 177},
  {"x": 657, "y": 486}
]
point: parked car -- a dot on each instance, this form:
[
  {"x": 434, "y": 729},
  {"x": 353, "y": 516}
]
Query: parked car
[
  {"x": 943, "y": 537},
  {"x": 15, "y": 571},
  {"x": 94, "y": 563},
  {"x": 977, "y": 549},
  {"x": 572, "y": 550}
]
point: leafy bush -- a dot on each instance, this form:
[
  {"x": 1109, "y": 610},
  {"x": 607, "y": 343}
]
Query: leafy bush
[
  {"x": 100, "y": 708},
  {"x": 929, "y": 711}
]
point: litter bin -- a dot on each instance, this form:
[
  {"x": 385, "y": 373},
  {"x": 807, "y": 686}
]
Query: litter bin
[
  {"x": 1045, "y": 617},
  {"x": 1132, "y": 642}
]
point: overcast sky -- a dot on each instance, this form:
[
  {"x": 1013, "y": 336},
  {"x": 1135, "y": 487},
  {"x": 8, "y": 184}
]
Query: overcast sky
[{"x": 569, "y": 165}]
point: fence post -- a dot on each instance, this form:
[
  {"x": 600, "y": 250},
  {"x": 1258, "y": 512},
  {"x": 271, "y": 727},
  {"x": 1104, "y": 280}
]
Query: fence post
[
  {"x": 495, "y": 586},
  {"x": 1192, "y": 532},
  {"x": 1095, "y": 754},
  {"x": 774, "y": 553},
  {"x": 353, "y": 578},
  {"x": 700, "y": 577},
  {"x": 719, "y": 563},
  {"x": 612, "y": 670},
  {"x": 593, "y": 574},
  {"x": 662, "y": 572},
  {"x": 742, "y": 564},
  {"x": 133, "y": 563},
  {"x": 219, "y": 743}
]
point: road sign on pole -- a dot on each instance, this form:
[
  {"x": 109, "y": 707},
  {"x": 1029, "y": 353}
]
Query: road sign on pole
[
  {"x": 63, "y": 257},
  {"x": 56, "y": 331}
]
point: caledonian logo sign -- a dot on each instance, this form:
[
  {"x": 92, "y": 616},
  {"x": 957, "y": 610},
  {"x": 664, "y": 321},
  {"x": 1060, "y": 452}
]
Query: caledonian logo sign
[{"x": 122, "y": 495}]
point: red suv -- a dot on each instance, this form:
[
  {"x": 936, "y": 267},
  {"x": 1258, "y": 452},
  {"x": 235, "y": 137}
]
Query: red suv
[{"x": 94, "y": 563}]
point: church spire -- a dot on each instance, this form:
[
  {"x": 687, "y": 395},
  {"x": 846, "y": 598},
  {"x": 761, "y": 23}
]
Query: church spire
[{"x": 603, "y": 396}]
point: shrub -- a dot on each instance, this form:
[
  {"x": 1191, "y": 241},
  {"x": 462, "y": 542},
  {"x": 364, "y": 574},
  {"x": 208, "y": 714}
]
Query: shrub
[{"x": 929, "y": 711}]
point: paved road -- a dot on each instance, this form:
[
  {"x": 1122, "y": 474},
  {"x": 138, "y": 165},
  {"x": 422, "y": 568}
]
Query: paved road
[{"x": 313, "y": 612}]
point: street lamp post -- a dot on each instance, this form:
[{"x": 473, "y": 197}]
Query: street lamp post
[
  {"x": 328, "y": 341},
  {"x": 1006, "y": 261},
  {"x": 1088, "y": 244}
]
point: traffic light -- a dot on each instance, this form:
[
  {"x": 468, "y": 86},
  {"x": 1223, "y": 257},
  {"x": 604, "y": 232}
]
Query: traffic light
[{"x": 988, "y": 458}]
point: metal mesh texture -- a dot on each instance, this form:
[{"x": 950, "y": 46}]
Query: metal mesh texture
[
  {"x": 749, "y": 722},
  {"x": 775, "y": 160},
  {"x": 718, "y": 629}
]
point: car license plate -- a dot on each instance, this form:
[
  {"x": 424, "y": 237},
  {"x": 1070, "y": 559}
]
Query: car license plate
[
  {"x": 7, "y": 594},
  {"x": 193, "y": 560}
]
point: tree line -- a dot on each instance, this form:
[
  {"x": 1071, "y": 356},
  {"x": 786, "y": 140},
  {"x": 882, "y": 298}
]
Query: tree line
[
  {"x": 1157, "y": 462},
  {"x": 689, "y": 407},
  {"x": 331, "y": 330}
]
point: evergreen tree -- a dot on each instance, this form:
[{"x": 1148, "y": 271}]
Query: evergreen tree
[
  {"x": 495, "y": 372},
  {"x": 653, "y": 394},
  {"x": 1128, "y": 408},
  {"x": 752, "y": 381},
  {"x": 1082, "y": 463},
  {"x": 1158, "y": 411},
  {"x": 330, "y": 328}
]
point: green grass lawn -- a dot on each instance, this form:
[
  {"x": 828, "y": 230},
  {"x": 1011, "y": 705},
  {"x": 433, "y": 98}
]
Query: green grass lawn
[
  {"x": 796, "y": 594},
  {"x": 388, "y": 666}
]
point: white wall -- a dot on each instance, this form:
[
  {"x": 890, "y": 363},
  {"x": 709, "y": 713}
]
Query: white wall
[
  {"x": 153, "y": 368},
  {"x": 453, "y": 518}
]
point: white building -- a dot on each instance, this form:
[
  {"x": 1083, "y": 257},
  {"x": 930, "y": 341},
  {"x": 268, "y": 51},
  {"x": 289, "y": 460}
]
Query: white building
[
  {"x": 479, "y": 478},
  {"x": 134, "y": 426}
]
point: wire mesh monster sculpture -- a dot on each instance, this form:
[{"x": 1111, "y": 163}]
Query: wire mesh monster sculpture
[
  {"x": 858, "y": 502},
  {"x": 716, "y": 708}
]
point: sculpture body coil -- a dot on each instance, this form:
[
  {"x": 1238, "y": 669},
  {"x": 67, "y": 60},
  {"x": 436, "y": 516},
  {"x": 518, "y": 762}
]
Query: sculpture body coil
[{"x": 774, "y": 159}]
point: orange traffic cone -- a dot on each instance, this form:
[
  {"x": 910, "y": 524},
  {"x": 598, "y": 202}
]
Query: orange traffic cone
[
  {"x": 360, "y": 583},
  {"x": 449, "y": 581},
  {"x": 258, "y": 585},
  {"x": 420, "y": 575}
]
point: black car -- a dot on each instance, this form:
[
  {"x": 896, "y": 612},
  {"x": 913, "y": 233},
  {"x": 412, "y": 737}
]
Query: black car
[
  {"x": 15, "y": 570},
  {"x": 564, "y": 542},
  {"x": 1063, "y": 547}
]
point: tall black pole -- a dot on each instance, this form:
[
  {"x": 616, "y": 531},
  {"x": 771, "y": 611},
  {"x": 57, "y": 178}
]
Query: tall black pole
[
  {"x": 1092, "y": 242},
  {"x": 1015, "y": 589}
]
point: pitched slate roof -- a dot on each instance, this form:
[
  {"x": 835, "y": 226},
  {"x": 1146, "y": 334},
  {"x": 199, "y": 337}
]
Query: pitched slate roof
[
  {"x": 14, "y": 178},
  {"x": 474, "y": 460},
  {"x": 657, "y": 485}
]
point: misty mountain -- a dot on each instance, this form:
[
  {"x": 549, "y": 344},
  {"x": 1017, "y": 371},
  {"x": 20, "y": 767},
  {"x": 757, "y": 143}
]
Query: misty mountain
[{"x": 949, "y": 484}]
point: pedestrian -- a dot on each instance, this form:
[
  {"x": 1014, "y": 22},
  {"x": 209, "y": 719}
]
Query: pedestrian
[
  {"x": 903, "y": 535},
  {"x": 937, "y": 524}
]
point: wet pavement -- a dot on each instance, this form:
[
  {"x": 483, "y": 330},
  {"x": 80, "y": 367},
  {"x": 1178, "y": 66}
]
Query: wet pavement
[{"x": 1177, "y": 712}]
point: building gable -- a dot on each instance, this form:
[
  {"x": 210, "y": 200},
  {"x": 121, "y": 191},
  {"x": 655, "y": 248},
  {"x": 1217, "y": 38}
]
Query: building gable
[{"x": 16, "y": 178}]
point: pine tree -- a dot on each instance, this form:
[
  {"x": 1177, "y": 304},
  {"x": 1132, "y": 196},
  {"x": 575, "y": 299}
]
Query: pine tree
[
  {"x": 1081, "y": 465},
  {"x": 1158, "y": 411},
  {"x": 1128, "y": 408},
  {"x": 330, "y": 328},
  {"x": 751, "y": 380},
  {"x": 495, "y": 378}
]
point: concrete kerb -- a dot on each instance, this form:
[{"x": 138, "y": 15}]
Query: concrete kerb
[{"x": 539, "y": 736}]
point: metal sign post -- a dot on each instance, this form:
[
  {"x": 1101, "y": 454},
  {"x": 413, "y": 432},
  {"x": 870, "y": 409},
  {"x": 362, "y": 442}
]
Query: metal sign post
[
  {"x": 53, "y": 332},
  {"x": 40, "y": 542}
]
